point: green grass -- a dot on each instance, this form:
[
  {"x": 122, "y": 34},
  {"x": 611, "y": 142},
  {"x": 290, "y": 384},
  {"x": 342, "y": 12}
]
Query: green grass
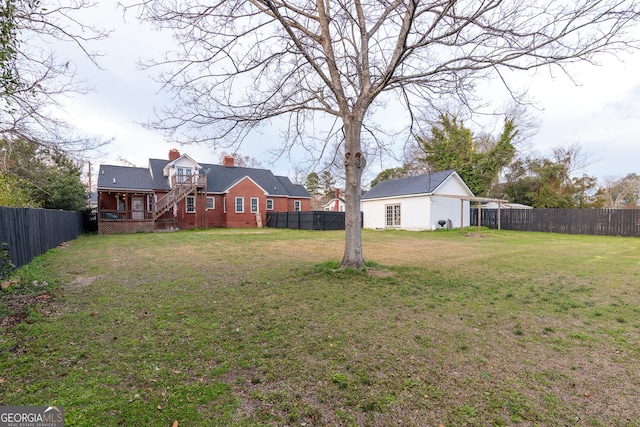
[{"x": 260, "y": 328}]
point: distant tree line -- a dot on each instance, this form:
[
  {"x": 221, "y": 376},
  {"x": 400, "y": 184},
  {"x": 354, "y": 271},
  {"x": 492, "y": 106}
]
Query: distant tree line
[{"x": 491, "y": 166}]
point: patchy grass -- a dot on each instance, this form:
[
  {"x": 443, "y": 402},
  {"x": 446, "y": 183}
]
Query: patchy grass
[{"x": 259, "y": 327}]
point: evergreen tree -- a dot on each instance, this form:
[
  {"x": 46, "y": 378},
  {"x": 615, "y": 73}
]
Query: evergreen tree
[
  {"x": 44, "y": 178},
  {"x": 312, "y": 183},
  {"x": 478, "y": 161}
]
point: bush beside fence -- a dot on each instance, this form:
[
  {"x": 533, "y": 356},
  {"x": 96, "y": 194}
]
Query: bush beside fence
[
  {"x": 31, "y": 232},
  {"x": 597, "y": 222}
]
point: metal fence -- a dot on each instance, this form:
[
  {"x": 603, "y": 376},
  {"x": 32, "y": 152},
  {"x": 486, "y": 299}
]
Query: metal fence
[
  {"x": 309, "y": 220},
  {"x": 597, "y": 222},
  {"x": 31, "y": 232}
]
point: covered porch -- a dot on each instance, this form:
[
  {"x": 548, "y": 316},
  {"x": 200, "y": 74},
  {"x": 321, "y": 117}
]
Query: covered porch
[{"x": 125, "y": 212}]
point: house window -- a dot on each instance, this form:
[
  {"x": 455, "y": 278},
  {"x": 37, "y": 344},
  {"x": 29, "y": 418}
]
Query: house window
[
  {"x": 296, "y": 206},
  {"x": 254, "y": 204},
  {"x": 211, "y": 203},
  {"x": 191, "y": 204},
  {"x": 269, "y": 204},
  {"x": 183, "y": 173},
  {"x": 239, "y": 204},
  {"x": 393, "y": 215},
  {"x": 150, "y": 199}
]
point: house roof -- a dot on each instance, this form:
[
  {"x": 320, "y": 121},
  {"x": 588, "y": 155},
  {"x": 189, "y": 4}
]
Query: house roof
[
  {"x": 506, "y": 205},
  {"x": 219, "y": 179},
  {"x": 421, "y": 184},
  {"x": 124, "y": 178}
]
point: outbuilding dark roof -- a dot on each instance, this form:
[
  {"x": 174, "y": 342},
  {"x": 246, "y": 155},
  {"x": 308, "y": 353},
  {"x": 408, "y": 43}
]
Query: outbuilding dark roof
[
  {"x": 421, "y": 184},
  {"x": 219, "y": 179}
]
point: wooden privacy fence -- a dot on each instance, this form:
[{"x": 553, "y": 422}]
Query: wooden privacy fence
[
  {"x": 309, "y": 220},
  {"x": 597, "y": 222},
  {"x": 31, "y": 232}
]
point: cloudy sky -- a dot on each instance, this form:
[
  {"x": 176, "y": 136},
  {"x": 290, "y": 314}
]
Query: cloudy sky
[{"x": 600, "y": 109}]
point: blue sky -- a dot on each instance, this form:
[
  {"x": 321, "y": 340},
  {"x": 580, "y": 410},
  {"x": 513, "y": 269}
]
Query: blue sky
[{"x": 601, "y": 112}]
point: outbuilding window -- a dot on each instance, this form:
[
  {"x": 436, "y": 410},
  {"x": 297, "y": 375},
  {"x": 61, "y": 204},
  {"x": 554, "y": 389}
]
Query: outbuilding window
[{"x": 393, "y": 215}]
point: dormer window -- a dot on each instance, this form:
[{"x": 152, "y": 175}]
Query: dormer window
[{"x": 183, "y": 173}]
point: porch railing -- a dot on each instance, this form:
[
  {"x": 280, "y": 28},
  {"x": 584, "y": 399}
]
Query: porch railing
[{"x": 122, "y": 216}]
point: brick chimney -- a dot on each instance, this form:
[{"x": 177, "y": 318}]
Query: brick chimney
[
  {"x": 173, "y": 154},
  {"x": 228, "y": 161}
]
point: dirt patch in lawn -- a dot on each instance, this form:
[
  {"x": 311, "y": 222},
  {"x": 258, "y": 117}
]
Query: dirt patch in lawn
[
  {"x": 81, "y": 282},
  {"x": 380, "y": 273}
]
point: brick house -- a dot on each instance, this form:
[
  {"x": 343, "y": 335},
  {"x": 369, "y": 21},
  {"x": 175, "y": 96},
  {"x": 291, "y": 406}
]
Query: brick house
[{"x": 180, "y": 193}]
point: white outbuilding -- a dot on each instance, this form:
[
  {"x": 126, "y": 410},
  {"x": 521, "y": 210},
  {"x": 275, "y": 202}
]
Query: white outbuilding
[{"x": 423, "y": 202}]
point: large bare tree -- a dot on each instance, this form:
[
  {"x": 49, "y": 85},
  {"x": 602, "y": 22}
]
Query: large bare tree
[
  {"x": 240, "y": 63},
  {"x": 34, "y": 77}
]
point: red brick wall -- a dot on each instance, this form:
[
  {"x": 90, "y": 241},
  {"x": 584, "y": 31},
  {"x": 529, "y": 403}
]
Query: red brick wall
[
  {"x": 246, "y": 189},
  {"x": 203, "y": 217},
  {"x": 285, "y": 204},
  {"x": 280, "y": 204}
]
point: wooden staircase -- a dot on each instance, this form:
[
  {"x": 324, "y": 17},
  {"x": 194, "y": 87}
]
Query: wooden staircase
[{"x": 181, "y": 187}]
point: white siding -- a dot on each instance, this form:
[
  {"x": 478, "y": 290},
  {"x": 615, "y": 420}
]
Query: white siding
[
  {"x": 446, "y": 208},
  {"x": 414, "y": 212},
  {"x": 184, "y": 163},
  {"x": 422, "y": 212},
  {"x": 453, "y": 185},
  {"x": 373, "y": 212}
]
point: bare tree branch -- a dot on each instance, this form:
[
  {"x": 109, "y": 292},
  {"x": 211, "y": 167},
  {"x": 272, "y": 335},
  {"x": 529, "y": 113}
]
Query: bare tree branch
[{"x": 43, "y": 77}]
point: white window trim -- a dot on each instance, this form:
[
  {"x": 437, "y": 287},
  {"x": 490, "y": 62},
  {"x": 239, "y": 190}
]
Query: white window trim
[
  {"x": 269, "y": 202},
  {"x": 186, "y": 204},
  {"x": 241, "y": 199},
  {"x": 393, "y": 215},
  {"x": 257, "y": 209},
  {"x": 213, "y": 202},
  {"x": 297, "y": 206}
]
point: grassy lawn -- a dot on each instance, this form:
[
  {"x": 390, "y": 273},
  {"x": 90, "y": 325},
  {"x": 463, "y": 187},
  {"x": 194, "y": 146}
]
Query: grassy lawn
[{"x": 255, "y": 328}]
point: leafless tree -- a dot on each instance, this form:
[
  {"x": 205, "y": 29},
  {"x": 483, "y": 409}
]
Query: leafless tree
[
  {"x": 240, "y": 160},
  {"x": 572, "y": 156},
  {"x": 241, "y": 63},
  {"x": 40, "y": 76},
  {"x": 623, "y": 192}
]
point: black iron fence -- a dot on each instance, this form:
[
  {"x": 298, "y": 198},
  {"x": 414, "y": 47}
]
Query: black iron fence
[
  {"x": 309, "y": 220},
  {"x": 597, "y": 222},
  {"x": 31, "y": 232}
]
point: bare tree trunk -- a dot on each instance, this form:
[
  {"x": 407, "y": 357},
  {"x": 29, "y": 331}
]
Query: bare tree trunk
[{"x": 354, "y": 162}]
